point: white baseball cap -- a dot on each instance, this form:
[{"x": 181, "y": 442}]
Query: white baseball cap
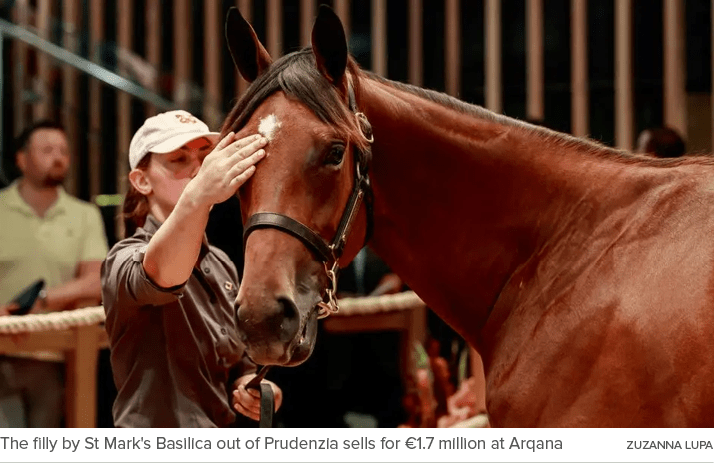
[{"x": 165, "y": 133}]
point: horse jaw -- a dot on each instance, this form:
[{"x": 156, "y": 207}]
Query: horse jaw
[{"x": 276, "y": 306}]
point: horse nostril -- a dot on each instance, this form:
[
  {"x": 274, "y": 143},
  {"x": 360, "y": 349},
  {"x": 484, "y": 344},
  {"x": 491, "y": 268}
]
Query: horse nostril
[{"x": 290, "y": 317}]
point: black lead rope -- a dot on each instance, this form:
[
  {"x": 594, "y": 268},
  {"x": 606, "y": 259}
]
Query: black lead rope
[{"x": 267, "y": 399}]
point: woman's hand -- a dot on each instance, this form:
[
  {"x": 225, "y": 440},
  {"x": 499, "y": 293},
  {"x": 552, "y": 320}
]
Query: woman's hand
[
  {"x": 226, "y": 168},
  {"x": 247, "y": 402}
]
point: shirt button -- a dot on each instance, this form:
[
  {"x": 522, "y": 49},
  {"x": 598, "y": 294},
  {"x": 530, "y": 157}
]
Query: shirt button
[
  {"x": 206, "y": 270},
  {"x": 223, "y": 331}
]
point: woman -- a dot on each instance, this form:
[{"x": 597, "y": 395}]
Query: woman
[{"x": 168, "y": 295}]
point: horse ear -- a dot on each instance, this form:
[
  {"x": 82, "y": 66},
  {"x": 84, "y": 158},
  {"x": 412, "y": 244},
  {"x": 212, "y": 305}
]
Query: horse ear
[
  {"x": 249, "y": 55},
  {"x": 330, "y": 45}
]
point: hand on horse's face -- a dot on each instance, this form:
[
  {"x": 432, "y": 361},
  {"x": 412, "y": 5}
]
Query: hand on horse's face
[{"x": 226, "y": 168}]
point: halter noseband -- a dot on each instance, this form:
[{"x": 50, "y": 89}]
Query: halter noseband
[{"x": 329, "y": 253}]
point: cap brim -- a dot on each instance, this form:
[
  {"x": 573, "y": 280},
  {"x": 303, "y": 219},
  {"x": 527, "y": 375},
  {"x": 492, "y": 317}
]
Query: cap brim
[{"x": 180, "y": 140}]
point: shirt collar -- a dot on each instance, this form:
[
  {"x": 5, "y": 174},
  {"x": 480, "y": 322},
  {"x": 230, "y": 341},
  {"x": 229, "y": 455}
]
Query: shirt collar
[{"x": 15, "y": 201}]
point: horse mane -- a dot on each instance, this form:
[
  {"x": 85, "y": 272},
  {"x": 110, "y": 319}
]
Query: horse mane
[
  {"x": 547, "y": 135},
  {"x": 298, "y": 77}
]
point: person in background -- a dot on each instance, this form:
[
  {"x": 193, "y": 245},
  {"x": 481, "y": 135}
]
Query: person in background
[
  {"x": 168, "y": 295},
  {"x": 46, "y": 234},
  {"x": 661, "y": 142}
]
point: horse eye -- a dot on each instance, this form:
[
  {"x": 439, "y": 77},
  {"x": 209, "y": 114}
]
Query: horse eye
[{"x": 334, "y": 157}]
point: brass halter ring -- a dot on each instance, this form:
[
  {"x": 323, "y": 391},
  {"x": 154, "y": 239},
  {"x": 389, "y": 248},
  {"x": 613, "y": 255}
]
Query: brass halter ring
[{"x": 325, "y": 309}]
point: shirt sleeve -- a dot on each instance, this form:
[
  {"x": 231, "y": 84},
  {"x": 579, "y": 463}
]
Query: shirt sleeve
[
  {"x": 95, "y": 239},
  {"x": 124, "y": 279}
]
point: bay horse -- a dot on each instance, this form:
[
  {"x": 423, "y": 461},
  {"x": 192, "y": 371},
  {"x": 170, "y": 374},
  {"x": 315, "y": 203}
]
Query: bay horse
[{"x": 582, "y": 274}]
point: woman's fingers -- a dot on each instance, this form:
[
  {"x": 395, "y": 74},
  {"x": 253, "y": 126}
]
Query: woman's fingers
[{"x": 225, "y": 141}]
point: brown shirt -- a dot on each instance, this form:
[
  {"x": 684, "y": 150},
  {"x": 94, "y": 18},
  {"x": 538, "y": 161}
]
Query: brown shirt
[{"x": 174, "y": 352}]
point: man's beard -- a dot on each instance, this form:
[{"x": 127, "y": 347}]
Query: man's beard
[{"x": 53, "y": 180}]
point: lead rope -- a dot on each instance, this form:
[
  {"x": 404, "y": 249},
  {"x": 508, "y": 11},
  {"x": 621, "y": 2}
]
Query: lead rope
[{"x": 267, "y": 397}]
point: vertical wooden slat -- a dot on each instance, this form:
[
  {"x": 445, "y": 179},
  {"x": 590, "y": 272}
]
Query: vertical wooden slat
[
  {"x": 342, "y": 8},
  {"x": 182, "y": 51},
  {"x": 96, "y": 32},
  {"x": 274, "y": 29},
  {"x": 71, "y": 17},
  {"x": 19, "y": 50},
  {"x": 153, "y": 47},
  {"x": 212, "y": 70},
  {"x": 415, "y": 42},
  {"x": 379, "y": 37},
  {"x": 246, "y": 9},
  {"x": 535, "y": 109},
  {"x": 623, "y": 75},
  {"x": 124, "y": 38},
  {"x": 493, "y": 55},
  {"x": 675, "y": 68},
  {"x": 307, "y": 19},
  {"x": 41, "y": 109},
  {"x": 579, "y": 68},
  {"x": 711, "y": 99},
  {"x": 452, "y": 47}
]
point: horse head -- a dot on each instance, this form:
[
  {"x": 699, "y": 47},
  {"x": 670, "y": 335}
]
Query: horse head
[{"x": 295, "y": 207}]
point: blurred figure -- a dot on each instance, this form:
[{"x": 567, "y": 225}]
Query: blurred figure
[
  {"x": 661, "y": 142},
  {"x": 46, "y": 234}
]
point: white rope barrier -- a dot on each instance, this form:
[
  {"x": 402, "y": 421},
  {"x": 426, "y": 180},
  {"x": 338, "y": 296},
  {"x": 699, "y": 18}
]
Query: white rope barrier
[
  {"x": 94, "y": 315},
  {"x": 51, "y": 321}
]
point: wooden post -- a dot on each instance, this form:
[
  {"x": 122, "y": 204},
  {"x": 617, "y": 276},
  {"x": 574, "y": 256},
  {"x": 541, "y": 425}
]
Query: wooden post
[
  {"x": 416, "y": 70},
  {"x": 379, "y": 37},
  {"x": 342, "y": 8},
  {"x": 182, "y": 52},
  {"x": 307, "y": 19},
  {"x": 81, "y": 369},
  {"x": 624, "y": 127},
  {"x": 71, "y": 17},
  {"x": 274, "y": 29},
  {"x": 124, "y": 130},
  {"x": 96, "y": 34},
  {"x": 452, "y": 42},
  {"x": 493, "y": 55},
  {"x": 579, "y": 68},
  {"x": 21, "y": 16},
  {"x": 535, "y": 108},
  {"x": 212, "y": 70},
  {"x": 42, "y": 85},
  {"x": 675, "y": 66},
  {"x": 153, "y": 47}
]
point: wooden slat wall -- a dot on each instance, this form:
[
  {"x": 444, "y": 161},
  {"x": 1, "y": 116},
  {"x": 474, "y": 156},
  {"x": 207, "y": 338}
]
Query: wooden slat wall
[
  {"x": 492, "y": 26},
  {"x": 212, "y": 67},
  {"x": 71, "y": 17},
  {"x": 96, "y": 35},
  {"x": 580, "y": 125},
  {"x": 182, "y": 51},
  {"x": 153, "y": 46},
  {"x": 41, "y": 109},
  {"x": 274, "y": 33},
  {"x": 246, "y": 9},
  {"x": 342, "y": 8},
  {"x": 379, "y": 37},
  {"x": 675, "y": 68},
  {"x": 416, "y": 60},
  {"x": 624, "y": 128},
  {"x": 452, "y": 42},
  {"x": 124, "y": 130},
  {"x": 308, "y": 10},
  {"x": 21, "y": 16},
  {"x": 535, "y": 108}
]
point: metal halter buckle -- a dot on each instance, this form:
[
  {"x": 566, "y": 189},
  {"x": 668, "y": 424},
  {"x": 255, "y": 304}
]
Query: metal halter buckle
[{"x": 325, "y": 309}]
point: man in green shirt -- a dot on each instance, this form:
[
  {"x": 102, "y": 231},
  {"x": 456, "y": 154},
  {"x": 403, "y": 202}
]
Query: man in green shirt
[{"x": 44, "y": 234}]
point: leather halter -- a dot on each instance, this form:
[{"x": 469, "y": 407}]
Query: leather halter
[{"x": 329, "y": 253}]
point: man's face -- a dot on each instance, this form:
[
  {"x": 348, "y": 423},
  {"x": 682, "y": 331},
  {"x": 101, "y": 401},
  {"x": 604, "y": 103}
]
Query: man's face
[{"x": 45, "y": 160}]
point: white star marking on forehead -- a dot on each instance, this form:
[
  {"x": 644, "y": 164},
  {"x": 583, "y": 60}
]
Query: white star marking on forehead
[{"x": 268, "y": 126}]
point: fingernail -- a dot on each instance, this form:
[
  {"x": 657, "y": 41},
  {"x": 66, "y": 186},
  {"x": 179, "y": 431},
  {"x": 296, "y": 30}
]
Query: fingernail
[{"x": 261, "y": 152}]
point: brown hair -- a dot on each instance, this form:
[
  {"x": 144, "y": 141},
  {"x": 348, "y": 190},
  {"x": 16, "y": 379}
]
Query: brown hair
[{"x": 136, "y": 204}]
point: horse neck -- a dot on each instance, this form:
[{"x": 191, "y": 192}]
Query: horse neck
[{"x": 462, "y": 201}]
